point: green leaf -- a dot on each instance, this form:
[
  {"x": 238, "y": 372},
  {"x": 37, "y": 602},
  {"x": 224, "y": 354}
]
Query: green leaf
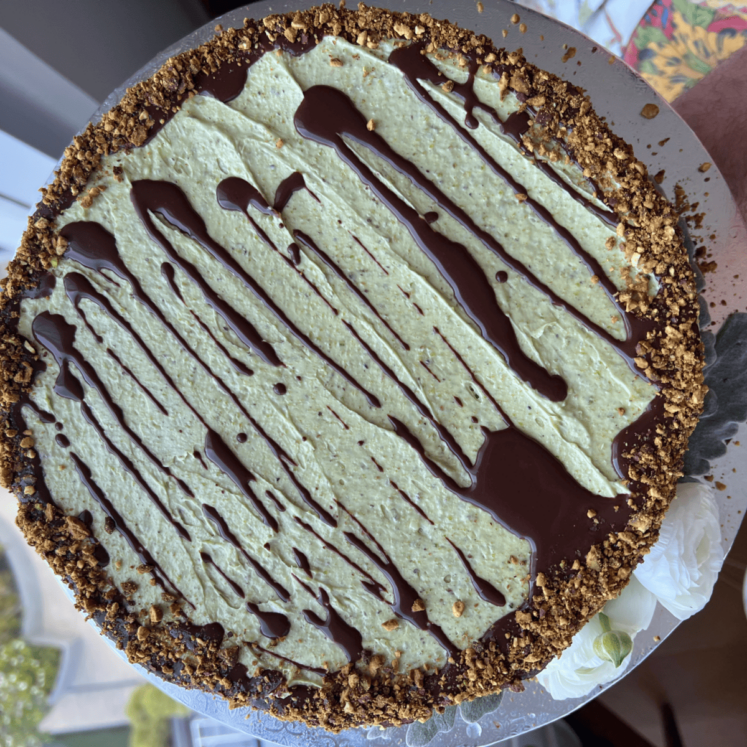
[
  {"x": 649, "y": 35},
  {"x": 473, "y": 710},
  {"x": 613, "y": 646},
  {"x": 647, "y": 67},
  {"x": 604, "y": 621},
  {"x": 27, "y": 674},
  {"x": 419, "y": 734},
  {"x": 150, "y": 712},
  {"x": 447, "y": 719},
  {"x": 694, "y": 14},
  {"x": 695, "y": 63}
]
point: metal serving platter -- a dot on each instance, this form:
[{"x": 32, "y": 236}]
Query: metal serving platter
[{"x": 619, "y": 94}]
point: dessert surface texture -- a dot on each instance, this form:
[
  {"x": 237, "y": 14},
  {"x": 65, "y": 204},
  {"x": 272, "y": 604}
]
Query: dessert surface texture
[{"x": 348, "y": 365}]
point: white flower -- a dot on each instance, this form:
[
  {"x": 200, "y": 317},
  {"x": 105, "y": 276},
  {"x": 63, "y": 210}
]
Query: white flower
[
  {"x": 683, "y": 565},
  {"x": 680, "y": 572},
  {"x": 580, "y": 668}
]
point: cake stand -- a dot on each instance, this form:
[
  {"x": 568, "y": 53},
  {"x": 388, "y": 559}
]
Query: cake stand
[{"x": 670, "y": 150}]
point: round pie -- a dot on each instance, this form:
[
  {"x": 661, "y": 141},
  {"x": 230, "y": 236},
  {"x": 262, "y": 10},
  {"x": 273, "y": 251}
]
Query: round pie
[{"x": 348, "y": 366}]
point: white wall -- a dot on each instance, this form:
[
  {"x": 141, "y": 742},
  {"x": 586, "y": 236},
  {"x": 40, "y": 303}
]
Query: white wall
[
  {"x": 98, "y": 44},
  {"x": 37, "y": 104},
  {"x": 22, "y": 171}
]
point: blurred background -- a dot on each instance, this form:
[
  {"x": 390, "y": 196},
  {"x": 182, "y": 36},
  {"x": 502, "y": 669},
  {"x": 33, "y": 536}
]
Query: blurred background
[{"x": 60, "y": 684}]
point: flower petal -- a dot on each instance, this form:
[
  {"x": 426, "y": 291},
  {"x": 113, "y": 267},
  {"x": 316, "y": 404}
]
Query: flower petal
[{"x": 683, "y": 565}]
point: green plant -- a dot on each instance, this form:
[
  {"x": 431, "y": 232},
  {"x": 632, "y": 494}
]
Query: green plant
[
  {"x": 149, "y": 711},
  {"x": 10, "y": 605},
  {"x": 27, "y": 674}
]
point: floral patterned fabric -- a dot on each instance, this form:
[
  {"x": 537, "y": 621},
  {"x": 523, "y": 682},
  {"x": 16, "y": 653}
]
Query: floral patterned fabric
[
  {"x": 678, "y": 42},
  {"x": 672, "y": 43}
]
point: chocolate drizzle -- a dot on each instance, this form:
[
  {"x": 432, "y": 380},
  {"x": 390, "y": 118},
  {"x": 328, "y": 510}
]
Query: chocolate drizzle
[
  {"x": 444, "y": 433},
  {"x": 404, "y": 595},
  {"x": 211, "y": 634},
  {"x": 44, "y": 289},
  {"x": 368, "y": 251},
  {"x": 257, "y": 647},
  {"x": 309, "y": 243},
  {"x": 287, "y": 188},
  {"x": 302, "y": 562},
  {"x": 415, "y": 67},
  {"x": 226, "y": 84},
  {"x": 101, "y": 555},
  {"x": 98, "y": 495},
  {"x": 324, "y": 116},
  {"x": 482, "y": 586},
  {"x": 336, "y": 629},
  {"x": 52, "y": 331},
  {"x": 516, "y": 126},
  {"x": 275, "y": 500},
  {"x": 94, "y": 247},
  {"x": 295, "y": 253},
  {"x": 167, "y": 270},
  {"x": 409, "y": 500},
  {"x": 538, "y": 498},
  {"x": 641, "y": 430},
  {"x": 170, "y": 202},
  {"x": 130, "y": 468},
  {"x": 226, "y": 533},
  {"x": 43, "y": 415},
  {"x": 237, "y": 195},
  {"x": 42, "y": 492},
  {"x": 272, "y": 624},
  {"x": 208, "y": 560},
  {"x": 219, "y": 453},
  {"x": 472, "y": 376},
  {"x": 375, "y": 587},
  {"x": 101, "y": 254},
  {"x": 137, "y": 381}
]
